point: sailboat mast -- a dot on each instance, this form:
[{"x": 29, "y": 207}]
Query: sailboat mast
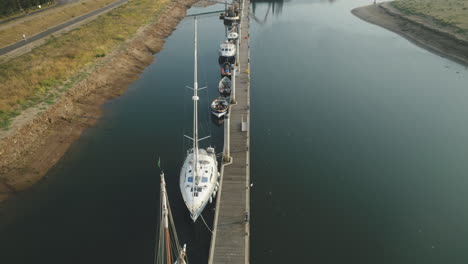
[
  {"x": 165, "y": 213},
  {"x": 195, "y": 107}
]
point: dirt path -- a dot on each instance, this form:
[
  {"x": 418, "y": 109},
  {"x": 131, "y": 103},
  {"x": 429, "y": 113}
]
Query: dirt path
[
  {"x": 423, "y": 32},
  {"x": 31, "y": 149}
]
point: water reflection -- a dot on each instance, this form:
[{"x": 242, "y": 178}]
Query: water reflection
[
  {"x": 217, "y": 121},
  {"x": 276, "y": 6}
]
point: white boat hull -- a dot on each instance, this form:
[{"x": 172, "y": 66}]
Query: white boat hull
[
  {"x": 224, "y": 86},
  {"x": 234, "y": 18},
  {"x": 217, "y": 114},
  {"x": 233, "y": 36},
  {"x": 197, "y": 189},
  {"x": 227, "y": 49}
]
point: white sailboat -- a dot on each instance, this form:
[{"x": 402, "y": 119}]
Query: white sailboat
[
  {"x": 199, "y": 174},
  {"x": 169, "y": 250}
]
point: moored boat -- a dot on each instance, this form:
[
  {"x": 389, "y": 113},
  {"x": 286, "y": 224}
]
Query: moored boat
[
  {"x": 219, "y": 107},
  {"x": 226, "y": 69},
  {"x": 234, "y": 27},
  {"x": 224, "y": 86},
  {"x": 227, "y": 52},
  {"x": 232, "y": 36},
  {"x": 199, "y": 173},
  {"x": 231, "y": 14}
]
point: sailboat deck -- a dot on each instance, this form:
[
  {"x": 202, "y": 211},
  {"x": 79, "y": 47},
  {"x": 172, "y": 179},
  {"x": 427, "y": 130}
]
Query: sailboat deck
[{"x": 230, "y": 241}]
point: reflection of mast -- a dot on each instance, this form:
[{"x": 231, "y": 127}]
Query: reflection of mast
[
  {"x": 276, "y": 5},
  {"x": 264, "y": 19}
]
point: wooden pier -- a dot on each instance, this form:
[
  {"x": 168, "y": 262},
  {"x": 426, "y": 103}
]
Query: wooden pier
[{"x": 230, "y": 242}]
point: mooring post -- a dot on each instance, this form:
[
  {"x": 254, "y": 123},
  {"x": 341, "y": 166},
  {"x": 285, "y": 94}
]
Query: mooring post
[
  {"x": 233, "y": 91},
  {"x": 227, "y": 139},
  {"x": 230, "y": 242}
]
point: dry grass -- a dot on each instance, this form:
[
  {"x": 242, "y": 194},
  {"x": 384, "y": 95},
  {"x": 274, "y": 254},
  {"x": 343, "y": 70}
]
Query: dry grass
[
  {"x": 41, "y": 22},
  {"x": 446, "y": 12},
  {"x": 29, "y": 79}
]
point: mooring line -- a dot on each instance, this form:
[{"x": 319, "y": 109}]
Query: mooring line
[{"x": 206, "y": 224}]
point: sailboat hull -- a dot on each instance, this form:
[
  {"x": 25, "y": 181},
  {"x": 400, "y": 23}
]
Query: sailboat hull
[
  {"x": 218, "y": 114},
  {"x": 197, "y": 188}
]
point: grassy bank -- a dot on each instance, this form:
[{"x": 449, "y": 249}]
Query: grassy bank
[
  {"x": 42, "y": 21},
  {"x": 35, "y": 77},
  {"x": 444, "y": 12}
]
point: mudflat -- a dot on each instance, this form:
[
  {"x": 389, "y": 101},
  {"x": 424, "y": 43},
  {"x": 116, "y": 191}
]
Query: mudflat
[{"x": 423, "y": 31}]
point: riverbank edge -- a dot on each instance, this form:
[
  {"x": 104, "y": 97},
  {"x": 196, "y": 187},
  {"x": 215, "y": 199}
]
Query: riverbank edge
[
  {"x": 27, "y": 153},
  {"x": 422, "y": 31}
]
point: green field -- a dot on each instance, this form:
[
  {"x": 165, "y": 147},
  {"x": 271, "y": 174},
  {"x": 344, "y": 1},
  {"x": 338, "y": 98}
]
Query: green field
[{"x": 445, "y": 12}]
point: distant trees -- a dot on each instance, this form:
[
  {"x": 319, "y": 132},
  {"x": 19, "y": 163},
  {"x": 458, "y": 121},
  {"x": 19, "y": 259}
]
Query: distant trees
[{"x": 8, "y": 7}]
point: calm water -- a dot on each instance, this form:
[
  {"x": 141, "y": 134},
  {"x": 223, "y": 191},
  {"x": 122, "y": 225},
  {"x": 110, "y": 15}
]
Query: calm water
[
  {"x": 361, "y": 160},
  {"x": 363, "y": 157}
]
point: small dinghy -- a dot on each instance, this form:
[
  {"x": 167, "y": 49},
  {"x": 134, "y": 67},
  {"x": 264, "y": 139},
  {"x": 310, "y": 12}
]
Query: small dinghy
[
  {"x": 226, "y": 70},
  {"x": 219, "y": 107},
  {"x": 225, "y": 86},
  {"x": 232, "y": 36}
]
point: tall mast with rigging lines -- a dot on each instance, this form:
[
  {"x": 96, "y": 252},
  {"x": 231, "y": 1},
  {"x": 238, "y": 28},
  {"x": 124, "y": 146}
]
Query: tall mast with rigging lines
[
  {"x": 199, "y": 173},
  {"x": 169, "y": 249},
  {"x": 195, "y": 99}
]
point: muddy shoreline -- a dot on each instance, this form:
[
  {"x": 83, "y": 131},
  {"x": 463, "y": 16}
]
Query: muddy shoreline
[
  {"x": 424, "y": 32},
  {"x": 31, "y": 149}
]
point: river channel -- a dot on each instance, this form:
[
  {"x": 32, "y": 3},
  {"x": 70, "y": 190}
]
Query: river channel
[{"x": 359, "y": 141}]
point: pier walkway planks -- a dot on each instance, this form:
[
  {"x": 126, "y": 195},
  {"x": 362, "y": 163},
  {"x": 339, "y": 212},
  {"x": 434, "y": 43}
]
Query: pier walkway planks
[{"x": 231, "y": 236}]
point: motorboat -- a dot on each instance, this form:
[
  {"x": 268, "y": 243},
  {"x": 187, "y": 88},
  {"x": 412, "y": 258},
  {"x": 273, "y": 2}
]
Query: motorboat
[
  {"x": 227, "y": 49},
  {"x": 232, "y": 36},
  {"x": 231, "y": 15},
  {"x": 227, "y": 69}
]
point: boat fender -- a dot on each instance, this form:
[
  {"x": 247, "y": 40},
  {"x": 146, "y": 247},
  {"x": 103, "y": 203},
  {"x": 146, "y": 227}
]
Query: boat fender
[
  {"x": 211, "y": 199},
  {"x": 214, "y": 194}
]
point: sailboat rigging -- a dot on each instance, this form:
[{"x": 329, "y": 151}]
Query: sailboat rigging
[
  {"x": 169, "y": 248},
  {"x": 199, "y": 173}
]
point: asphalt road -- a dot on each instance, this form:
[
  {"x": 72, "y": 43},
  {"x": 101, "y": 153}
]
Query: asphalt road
[{"x": 57, "y": 28}]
